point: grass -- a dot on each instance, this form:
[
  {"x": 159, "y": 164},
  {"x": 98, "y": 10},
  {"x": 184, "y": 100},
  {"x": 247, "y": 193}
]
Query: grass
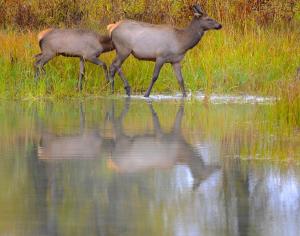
[
  {"x": 253, "y": 61},
  {"x": 224, "y": 62}
]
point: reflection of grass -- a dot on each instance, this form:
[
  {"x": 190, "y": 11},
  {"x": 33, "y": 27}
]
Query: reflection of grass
[
  {"x": 261, "y": 131},
  {"x": 256, "y": 132}
]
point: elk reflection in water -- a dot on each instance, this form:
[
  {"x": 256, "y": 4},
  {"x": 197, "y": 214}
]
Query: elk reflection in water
[
  {"x": 157, "y": 150},
  {"x": 85, "y": 145},
  {"x": 123, "y": 155},
  {"x": 129, "y": 154},
  {"x": 86, "y": 171}
]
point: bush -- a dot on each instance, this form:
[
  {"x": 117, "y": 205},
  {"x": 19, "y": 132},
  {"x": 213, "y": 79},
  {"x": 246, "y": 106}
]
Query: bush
[{"x": 24, "y": 14}]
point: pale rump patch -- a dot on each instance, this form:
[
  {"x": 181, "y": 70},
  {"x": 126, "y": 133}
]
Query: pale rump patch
[
  {"x": 42, "y": 34},
  {"x": 112, "y": 27},
  {"x": 112, "y": 165}
]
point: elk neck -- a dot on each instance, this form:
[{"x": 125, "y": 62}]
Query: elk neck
[
  {"x": 106, "y": 43},
  {"x": 192, "y": 34}
]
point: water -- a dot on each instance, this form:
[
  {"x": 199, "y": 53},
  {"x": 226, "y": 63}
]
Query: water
[
  {"x": 214, "y": 98},
  {"x": 147, "y": 167}
]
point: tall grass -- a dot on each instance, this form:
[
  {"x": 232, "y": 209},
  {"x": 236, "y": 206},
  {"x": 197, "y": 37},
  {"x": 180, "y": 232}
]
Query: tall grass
[
  {"x": 227, "y": 61},
  {"x": 92, "y": 13}
]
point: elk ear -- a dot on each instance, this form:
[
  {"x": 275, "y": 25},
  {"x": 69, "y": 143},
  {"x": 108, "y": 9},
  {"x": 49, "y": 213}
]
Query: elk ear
[{"x": 198, "y": 10}]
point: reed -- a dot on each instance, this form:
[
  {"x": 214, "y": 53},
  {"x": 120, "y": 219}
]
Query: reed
[
  {"x": 260, "y": 61},
  {"x": 22, "y": 14}
]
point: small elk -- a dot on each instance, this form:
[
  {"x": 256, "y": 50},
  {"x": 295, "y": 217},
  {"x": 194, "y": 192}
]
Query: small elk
[
  {"x": 85, "y": 44},
  {"x": 159, "y": 43},
  {"x": 85, "y": 145}
]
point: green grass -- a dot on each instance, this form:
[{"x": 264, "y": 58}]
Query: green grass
[
  {"x": 224, "y": 62},
  {"x": 259, "y": 61}
]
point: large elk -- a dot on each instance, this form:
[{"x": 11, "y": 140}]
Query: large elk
[
  {"x": 159, "y": 43},
  {"x": 157, "y": 150}
]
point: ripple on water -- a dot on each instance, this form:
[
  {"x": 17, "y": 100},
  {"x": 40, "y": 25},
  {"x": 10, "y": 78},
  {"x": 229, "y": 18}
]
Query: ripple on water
[{"x": 213, "y": 98}]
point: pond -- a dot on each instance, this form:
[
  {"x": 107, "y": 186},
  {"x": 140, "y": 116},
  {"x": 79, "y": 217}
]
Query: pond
[{"x": 117, "y": 166}]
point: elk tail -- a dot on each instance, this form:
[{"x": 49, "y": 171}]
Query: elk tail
[
  {"x": 112, "y": 27},
  {"x": 42, "y": 34}
]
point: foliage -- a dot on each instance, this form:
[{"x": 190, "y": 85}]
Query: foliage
[{"x": 39, "y": 13}]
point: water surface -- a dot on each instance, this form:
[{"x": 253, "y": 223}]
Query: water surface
[{"x": 147, "y": 167}]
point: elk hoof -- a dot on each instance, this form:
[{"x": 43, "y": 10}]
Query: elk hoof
[{"x": 128, "y": 90}]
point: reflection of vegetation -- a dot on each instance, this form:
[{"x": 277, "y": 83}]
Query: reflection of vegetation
[
  {"x": 259, "y": 130},
  {"x": 19, "y": 191},
  {"x": 75, "y": 197},
  {"x": 247, "y": 130}
]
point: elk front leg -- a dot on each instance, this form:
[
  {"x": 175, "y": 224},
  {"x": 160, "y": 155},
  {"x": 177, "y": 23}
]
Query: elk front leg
[
  {"x": 125, "y": 82},
  {"x": 158, "y": 66},
  {"x": 81, "y": 74},
  {"x": 41, "y": 61},
  {"x": 122, "y": 54},
  {"x": 177, "y": 70},
  {"x": 96, "y": 61}
]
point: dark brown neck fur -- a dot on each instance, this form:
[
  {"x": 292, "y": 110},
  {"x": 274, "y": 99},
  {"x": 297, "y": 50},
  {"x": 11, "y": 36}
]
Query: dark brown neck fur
[
  {"x": 192, "y": 34},
  {"x": 106, "y": 43}
]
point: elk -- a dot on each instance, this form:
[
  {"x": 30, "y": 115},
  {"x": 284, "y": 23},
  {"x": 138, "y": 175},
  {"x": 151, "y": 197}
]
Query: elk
[
  {"x": 157, "y": 150},
  {"x": 85, "y": 145},
  {"x": 159, "y": 43},
  {"x": 85, "y": 44}
]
